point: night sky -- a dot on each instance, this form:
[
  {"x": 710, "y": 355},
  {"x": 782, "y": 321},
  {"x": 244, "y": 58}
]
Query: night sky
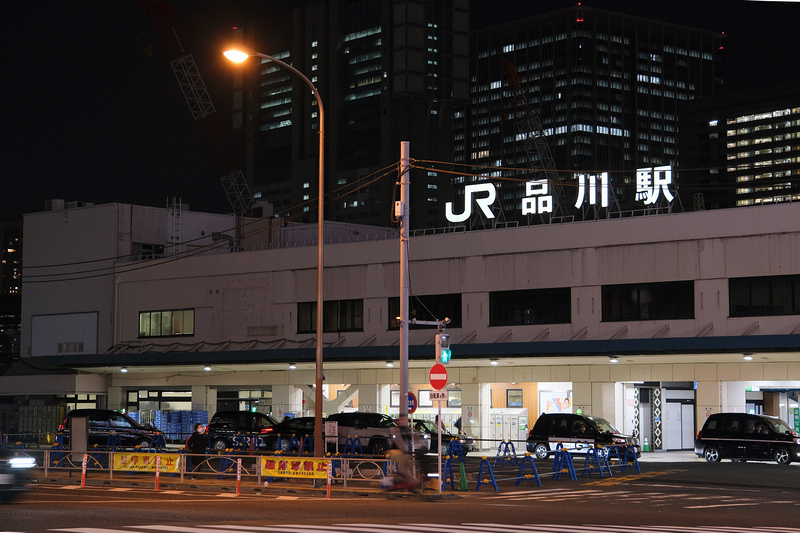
[{"x": 88, "y": 116}]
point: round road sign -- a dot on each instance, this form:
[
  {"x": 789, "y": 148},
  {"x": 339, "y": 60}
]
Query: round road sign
[
  {"x": 438, "y": 376},
  {"x": 412, "y": 403}
]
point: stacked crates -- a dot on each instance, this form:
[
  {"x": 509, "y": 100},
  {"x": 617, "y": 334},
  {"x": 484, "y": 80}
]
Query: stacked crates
[
  {"x": 38, "y": 423},
  {"x": 176, "y": 425}
]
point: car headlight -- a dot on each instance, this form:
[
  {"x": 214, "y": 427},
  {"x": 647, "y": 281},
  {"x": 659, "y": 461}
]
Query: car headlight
[{"x": 22, "y": 462}]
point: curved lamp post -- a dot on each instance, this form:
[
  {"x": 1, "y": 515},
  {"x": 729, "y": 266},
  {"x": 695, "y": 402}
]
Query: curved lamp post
[{"x": 238, "y": 56}]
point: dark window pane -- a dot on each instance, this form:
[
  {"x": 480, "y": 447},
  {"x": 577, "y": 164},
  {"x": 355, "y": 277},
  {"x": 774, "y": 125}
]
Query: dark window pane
[
  {"x": 536, "y": 306},
  {"x": 764, "y": 296},
  {"x": 648, "y": 301}
]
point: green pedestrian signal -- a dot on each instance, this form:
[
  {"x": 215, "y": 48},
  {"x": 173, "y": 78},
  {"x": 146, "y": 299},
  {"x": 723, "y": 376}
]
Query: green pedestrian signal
[{"x": 443, "y": 352}]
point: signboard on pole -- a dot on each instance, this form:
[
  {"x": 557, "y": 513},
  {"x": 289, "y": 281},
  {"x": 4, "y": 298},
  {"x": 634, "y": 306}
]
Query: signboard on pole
[
  {"x": 438, "y": 376},
  {"x": 439, "y": 395}
]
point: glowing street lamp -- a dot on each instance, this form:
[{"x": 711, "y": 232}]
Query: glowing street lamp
[{"x": 238, "y": 56}]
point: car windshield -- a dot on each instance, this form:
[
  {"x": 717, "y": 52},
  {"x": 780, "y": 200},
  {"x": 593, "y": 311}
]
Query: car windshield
[
  {"x": 385, "y": 422},
  {"x": 603, "y": 425},
  {"x": 779, "y": 426},
  {"x": 426, "y": 426}
]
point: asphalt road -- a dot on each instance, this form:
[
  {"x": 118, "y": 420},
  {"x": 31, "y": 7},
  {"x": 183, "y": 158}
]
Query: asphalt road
[{"x": 692, "y": 495}]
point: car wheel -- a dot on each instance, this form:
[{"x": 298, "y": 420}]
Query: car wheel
[
  {"x": 782, "y": 456},
  {"x": 378, "y": 447},
  {"x": 143, "y": 443},
  {"x": 712, "y": 454},
  {"x": 219, "y": 445},
  {"x": 443, "y": 449},
  {"x": 541, "y": 451}
]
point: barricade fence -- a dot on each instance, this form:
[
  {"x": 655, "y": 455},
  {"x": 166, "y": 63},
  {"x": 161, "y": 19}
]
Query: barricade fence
[{"x": 338, "y": 471}]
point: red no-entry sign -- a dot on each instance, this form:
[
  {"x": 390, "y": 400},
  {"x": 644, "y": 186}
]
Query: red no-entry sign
[{"x": 438, "y": 376}]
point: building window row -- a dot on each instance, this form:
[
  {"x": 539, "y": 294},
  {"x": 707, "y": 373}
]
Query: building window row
[{"x": 673, "y": 300}]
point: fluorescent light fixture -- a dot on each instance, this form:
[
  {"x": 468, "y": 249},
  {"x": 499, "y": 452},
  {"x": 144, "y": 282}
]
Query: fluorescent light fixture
[
  {"x": 494, "y": 362},
  {"x": 124, "y": 369},
  {"x": 207, "y": 368},
  {"x": 389, "y": 364},
  {"x": 292, "y": 366},
  {"x": 747, "y": 356},
  {"x": 613, "y": 359}
]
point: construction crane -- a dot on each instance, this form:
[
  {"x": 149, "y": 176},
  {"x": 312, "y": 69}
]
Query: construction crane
[
  {"x": 164, "y": 18},
  {"x": 529, "y": 127}
]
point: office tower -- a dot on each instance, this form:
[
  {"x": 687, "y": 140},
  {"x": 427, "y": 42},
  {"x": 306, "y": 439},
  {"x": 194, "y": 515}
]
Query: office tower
[
  {"x": 602, "y": 89},
  {"x": 386, "y": 72},
  {"x": 741, "y": 149}
]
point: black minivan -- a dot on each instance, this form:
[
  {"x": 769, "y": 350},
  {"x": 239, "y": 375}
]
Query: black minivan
[
  {"x": 232, "y": 429},
  {"x": 103, "y": 423},
  {"x": 743, "y": 437},
  {"x": 574, "y": 432}
]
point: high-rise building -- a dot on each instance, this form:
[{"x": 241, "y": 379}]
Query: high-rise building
[
  {"x": 742, "y": 149},
  {"x": 386, "y": 72},
  {"x": 10, "y": 294},
  {"x": 602, "y": 89}
]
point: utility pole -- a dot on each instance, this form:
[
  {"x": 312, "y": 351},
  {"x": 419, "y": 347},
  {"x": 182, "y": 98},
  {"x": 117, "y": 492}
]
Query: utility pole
[{"x": 401, "y": 211}]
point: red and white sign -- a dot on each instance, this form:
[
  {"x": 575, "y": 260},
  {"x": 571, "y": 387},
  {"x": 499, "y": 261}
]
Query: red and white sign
[{"x": 438, "y": 376}]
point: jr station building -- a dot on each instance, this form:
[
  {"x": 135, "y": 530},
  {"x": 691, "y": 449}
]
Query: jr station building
[{"x": 653, "y": 322}]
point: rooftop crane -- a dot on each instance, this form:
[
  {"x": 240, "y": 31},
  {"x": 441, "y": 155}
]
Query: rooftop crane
[
  {"x": 164, "y": 18},
  {"x": 529, "y": 126}
]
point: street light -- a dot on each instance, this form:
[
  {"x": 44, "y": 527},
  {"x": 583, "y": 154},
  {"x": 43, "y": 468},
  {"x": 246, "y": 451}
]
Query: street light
[{"x": 238, "y": 56}]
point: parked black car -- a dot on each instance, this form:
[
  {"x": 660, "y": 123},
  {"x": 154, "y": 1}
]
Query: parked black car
[
  {"x": 232, "y": 429},
  {"x": 299, "y": 428},
  {"x": 14, "y": 469},
  {"x": 103, "y": 423},
  {"x": 743, "y": 437},
  {"x": 428, "y": 427},
  {"x": 575, "y": 432}
]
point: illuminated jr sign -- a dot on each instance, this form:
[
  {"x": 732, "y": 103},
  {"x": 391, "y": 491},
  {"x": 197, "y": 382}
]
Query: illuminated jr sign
[{"x": 651, "y": 183}]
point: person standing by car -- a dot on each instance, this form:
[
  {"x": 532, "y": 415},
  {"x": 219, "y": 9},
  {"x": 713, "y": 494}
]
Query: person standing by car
[{"x": 195, "y": 447}]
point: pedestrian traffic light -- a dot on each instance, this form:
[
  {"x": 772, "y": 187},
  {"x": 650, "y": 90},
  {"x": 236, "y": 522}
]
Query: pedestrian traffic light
[{"x": 443, "y": 352}]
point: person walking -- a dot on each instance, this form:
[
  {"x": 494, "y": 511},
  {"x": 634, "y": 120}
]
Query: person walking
[{"x": 195, "y": 447}]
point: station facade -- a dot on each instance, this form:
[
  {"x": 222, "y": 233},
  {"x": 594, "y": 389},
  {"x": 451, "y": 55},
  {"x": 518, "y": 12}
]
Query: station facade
[{"x": 653, "y": 322}]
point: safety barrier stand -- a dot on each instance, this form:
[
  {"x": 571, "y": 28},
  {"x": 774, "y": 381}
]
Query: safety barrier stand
[
  {"x": 158, "y": 444},
  {"x": 352, "y": 446},
  {"x": 506, "y": 454},
  {"x": 97, "y": 458},
  {"x": 629, "y": 459},
  {"x": 595, "y": 459},
  {"x": 454, "y": 448},
  {"x": 294, "y": 444},
  {"x": 562, "y": 463},
  {"x": 307, "y": 446},
  {"x": 527, "y": 460},
  {"x": 336, "y": 471},
  {"x": 447, "y": 474},
  {"x": 226, "y": 464},
  {"x": 481, "y": 481}
]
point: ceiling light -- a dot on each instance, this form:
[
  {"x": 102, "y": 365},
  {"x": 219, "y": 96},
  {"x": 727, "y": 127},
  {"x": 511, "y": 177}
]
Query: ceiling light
[
  {"x": 292, "y": 366},
  {"x": 207, "y": 368},
  {"x": 124, "y": 369},
  {"x": 494, "y": 362},
  {"x": 747, "y": 356},
  {"x": 389, "y": 364},
  {"x": 613, "y": 359}
]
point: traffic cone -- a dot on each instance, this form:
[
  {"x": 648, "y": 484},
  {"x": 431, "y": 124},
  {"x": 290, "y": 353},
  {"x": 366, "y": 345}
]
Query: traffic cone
[
  {"x": 646, "y": 447},
  {"x": 462, "y": 478}
]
